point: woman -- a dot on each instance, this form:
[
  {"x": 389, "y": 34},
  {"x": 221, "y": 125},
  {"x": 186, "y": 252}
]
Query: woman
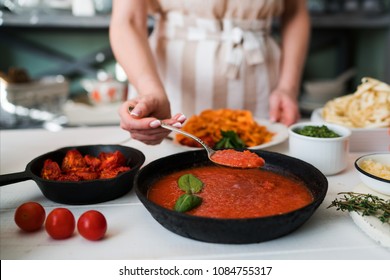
[{"x": 208, "y": 54}]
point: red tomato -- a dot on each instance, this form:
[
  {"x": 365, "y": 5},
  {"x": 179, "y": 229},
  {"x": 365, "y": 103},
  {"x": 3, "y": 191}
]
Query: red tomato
[
  {"x": 60, "y": 223},
  {"x": 30, "y": 216},
  {"x": 92, "y": 225}
]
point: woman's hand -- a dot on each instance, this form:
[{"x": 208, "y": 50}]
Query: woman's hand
[
  {"x": 283, "y": 107},
  {"x": 142, "y": 121},
  {"x": 295, "y": 23},
  {"x": 130, "y": 45}
]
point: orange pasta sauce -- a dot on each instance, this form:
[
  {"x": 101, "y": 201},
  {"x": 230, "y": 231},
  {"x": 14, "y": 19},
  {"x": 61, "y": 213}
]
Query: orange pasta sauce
[{"x": 235, "y": 193}]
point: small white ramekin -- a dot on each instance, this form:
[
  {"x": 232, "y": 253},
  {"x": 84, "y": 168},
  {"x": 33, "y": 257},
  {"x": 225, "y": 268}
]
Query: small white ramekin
[{"x": 329, "y": 155}]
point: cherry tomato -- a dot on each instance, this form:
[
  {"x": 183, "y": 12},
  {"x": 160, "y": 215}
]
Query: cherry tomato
[
  {"x": 92, "y": 225},
  {"x": 30, "y": 216},
  {"x": 60, "y": 223}
]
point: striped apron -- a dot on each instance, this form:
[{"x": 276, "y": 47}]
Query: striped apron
[{"x": 215, "y": 63}]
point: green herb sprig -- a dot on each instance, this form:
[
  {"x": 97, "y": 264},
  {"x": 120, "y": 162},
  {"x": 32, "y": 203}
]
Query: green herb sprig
[
  {"x": 190, "y": 184},
  {"x": 229, "y": 140},
  {"x": 363, "y": 204}
]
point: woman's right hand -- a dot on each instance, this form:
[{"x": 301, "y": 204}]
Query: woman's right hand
[
  {"x": 142, "y": 119},
  {"x": 128, "y": 27}
]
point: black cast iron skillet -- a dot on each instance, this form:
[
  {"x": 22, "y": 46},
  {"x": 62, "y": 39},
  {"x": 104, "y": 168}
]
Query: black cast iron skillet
[
  {"x": 83, "y": 192},
  {"x": 231, "y": 231}
]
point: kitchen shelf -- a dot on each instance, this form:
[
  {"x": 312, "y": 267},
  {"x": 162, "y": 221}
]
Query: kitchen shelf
[
  {"x": 57, "y": 21},
  {"x": 67, "y": 20},
  {"x": 345, "y": 20},
  {"x": 61, "y": 20}
]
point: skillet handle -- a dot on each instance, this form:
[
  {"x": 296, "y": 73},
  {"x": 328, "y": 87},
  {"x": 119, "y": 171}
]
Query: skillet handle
[{"x": 14, "y": 178}]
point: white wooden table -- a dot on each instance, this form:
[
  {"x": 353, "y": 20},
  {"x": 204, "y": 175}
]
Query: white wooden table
[{"x": 134, "y": 234}]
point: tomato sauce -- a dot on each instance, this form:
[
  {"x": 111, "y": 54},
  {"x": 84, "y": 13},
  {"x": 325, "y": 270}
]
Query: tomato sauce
[
  {"x": 235, "y": 193},
  {"x": 238, "y": 159}
]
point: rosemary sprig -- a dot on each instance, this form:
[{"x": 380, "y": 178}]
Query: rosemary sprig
[{"x": 364, "y": 204}]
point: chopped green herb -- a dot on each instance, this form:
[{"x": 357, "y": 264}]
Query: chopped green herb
[{"x": 317, "y": 131}]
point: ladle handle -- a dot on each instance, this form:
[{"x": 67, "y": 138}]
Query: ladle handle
[
  {"x": 200, "y": 141},
  {"x": 14, "y": 178}
]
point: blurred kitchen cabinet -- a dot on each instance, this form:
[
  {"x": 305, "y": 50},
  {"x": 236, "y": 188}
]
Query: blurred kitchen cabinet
[
  {"x": 16, "y": 32},
  {"x": 362, "y": 42},
  {"x": 55, "y": 44}
]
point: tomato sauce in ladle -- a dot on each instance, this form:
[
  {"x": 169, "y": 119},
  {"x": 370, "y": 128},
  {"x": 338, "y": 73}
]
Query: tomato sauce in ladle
[{"x": 237, "y": 159}]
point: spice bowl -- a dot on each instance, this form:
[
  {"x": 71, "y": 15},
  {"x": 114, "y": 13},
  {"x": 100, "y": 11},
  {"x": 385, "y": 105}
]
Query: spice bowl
[
  {"x": 373, "y": 170},
  {"x": 329, "y": 155}
]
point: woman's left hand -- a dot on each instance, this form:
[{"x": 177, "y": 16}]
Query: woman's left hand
[{"x": 283, "y": 107}]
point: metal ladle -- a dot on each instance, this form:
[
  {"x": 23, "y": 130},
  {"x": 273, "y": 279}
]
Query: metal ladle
[{"x": 208, "y": 149}]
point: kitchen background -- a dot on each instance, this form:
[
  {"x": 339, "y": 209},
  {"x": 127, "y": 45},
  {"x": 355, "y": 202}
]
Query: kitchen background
[{"x": 57, "y": 59}]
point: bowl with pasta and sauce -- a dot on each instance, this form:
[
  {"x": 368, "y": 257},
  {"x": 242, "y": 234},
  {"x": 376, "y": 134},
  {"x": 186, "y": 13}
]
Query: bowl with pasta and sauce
[
  {"x": 374, "y": 171},
  {"x": 192, "y": 197},
  {"x": 231, "y": 128}
]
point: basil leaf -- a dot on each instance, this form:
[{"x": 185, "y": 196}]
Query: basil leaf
[
  {"x": 190, "y": 184},
  {"x": 187, "y": 202},
  {"x": 230, "y": 140},
  {"x": 222, "y": 144}
]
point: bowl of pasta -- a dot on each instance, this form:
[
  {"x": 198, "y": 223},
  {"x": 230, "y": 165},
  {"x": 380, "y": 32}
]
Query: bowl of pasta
[
  {"x": 366, "y": 112},
  {"x": 230, "y": 128}
]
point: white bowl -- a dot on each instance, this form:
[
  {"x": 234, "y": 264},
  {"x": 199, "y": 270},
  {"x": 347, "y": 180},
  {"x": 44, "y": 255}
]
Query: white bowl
[
  {"x": 376, "y": 183},
  {"x": 329, "y": 155}
]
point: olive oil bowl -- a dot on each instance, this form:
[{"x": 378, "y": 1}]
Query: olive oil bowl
[{"x": 327, "y": 152}]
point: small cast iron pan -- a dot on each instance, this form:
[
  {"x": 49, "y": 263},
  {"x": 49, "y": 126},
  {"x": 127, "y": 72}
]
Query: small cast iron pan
[
  {"x": 83, "y": 192},
  {"x": 231, "y": 231}
]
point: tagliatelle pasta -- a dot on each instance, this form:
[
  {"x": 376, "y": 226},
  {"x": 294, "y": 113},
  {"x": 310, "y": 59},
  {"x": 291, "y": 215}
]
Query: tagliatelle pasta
[
  {"x": 209, "y": 123},
  {"x": 368, "y": 107}
]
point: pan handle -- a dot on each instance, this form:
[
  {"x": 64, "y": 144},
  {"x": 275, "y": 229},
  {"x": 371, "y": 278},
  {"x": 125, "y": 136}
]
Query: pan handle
[{"x": 14, "y": 178}]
